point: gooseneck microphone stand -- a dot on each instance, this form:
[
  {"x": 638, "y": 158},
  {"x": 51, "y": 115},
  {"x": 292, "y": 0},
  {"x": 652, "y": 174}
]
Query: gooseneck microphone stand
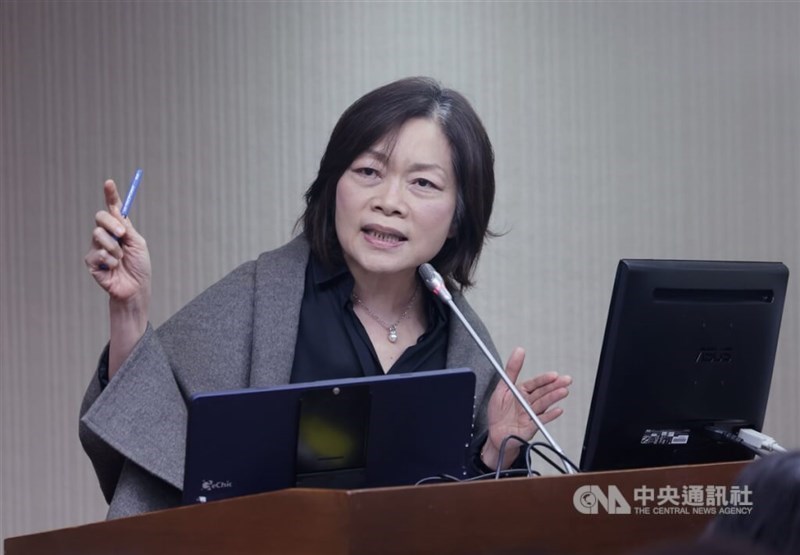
[{"x": 433, "y": 281}]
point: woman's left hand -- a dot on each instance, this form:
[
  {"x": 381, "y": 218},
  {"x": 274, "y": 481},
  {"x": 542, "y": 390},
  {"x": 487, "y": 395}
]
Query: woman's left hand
[{"x": 506, "y": 417}]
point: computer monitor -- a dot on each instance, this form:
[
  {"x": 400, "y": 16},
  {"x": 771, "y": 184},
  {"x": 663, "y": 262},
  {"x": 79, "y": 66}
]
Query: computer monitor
[
  {"x": 351, "y": 433},
  {"x": 688, "y": 345}
]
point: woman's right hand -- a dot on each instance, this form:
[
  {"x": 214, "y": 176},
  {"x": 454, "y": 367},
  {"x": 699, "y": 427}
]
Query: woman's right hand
[{"x": 121, "y": 268}]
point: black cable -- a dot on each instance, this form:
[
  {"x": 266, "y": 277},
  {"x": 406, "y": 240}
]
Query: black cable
[
  {"x": 503, "y": 450},
  {"x": 507, "y": 473},
  {"x": 532, "y": 448},
  {"x": 500, "y": 473},
  {"x": 439, "y": 478},
  {"x": 447, "y": 478},
  {"x": 562, "y": 456},
  {"x": 720, "y": 433}
]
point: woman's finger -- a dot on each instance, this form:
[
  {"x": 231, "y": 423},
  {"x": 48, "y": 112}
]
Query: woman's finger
[
  {"x": 110, "y": 223},
  {"x": 100, "y": 260},
  {"x": 514, "y": 364},
  {"x": 112, "y": 196},
  {"x": 545, "y": 383},
  {"x": 550, "y": 415},
  {"x": 102, "y": 239},
  {"x": 542, "y": 380},
  {"x": 544, "y": 403}
]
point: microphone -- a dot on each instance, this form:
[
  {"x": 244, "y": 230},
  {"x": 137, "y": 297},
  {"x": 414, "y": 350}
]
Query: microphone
[{"x": 434, "y": 282}]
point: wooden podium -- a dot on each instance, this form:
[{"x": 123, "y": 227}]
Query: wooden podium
[{"x": 520, "y": 515}]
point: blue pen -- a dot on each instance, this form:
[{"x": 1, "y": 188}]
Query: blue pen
[{"x": 126, "y": 207}]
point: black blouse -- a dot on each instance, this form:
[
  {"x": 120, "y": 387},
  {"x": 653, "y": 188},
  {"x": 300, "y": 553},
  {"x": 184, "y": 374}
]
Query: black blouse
[{"x": 333, "y": 344}]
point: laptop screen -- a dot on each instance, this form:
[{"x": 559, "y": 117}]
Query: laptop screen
[{"x": 351, "y": 433}]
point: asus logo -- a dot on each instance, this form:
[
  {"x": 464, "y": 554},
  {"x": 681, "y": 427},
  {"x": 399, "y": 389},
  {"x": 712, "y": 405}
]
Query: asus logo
[{"x": 713, "y": 355}]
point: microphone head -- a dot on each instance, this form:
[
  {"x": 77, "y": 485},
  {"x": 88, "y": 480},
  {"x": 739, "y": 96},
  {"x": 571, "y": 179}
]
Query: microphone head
[
  {"x": 427, "y": 272},
  {"x": 433, "y": 281}
]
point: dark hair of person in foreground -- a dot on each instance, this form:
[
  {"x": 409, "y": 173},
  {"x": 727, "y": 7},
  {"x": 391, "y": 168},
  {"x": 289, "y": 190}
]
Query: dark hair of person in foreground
[{"x": 774, "y": 522}]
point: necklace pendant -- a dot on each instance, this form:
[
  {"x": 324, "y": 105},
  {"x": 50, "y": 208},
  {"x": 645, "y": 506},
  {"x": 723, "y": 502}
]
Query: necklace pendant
[{"x": 392, "y": 335}]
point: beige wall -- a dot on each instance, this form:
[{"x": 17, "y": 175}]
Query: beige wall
[{"x": 621, "y": 130}]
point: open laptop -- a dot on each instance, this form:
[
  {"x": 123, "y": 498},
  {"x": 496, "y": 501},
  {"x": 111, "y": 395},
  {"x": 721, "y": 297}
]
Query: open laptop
[{"x": 351, "y": 433}]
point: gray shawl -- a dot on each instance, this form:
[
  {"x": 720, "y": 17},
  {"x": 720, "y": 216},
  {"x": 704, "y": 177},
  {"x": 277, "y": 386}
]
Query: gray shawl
[{"x": 240, "y": 332}]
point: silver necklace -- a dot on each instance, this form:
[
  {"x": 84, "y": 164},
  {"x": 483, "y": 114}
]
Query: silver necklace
[{"x": 391, "y": 329}]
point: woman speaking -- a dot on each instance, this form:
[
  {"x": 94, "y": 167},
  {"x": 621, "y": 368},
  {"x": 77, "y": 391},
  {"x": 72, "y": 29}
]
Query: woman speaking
[{"x": 407, "y": 178}]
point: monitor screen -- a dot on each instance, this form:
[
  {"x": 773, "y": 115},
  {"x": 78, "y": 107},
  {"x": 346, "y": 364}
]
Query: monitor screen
[
  {"x": 350, "y": 433},
  {"x": 688, "y": 345}
]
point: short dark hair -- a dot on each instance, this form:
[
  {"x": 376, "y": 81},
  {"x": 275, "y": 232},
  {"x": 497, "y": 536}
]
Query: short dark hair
[
  {"x": 774, "y": 522},
  {"x": 380, "y": 114}
]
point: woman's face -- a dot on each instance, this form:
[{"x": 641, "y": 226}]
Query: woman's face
[{"x": 395, "y": 204}]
